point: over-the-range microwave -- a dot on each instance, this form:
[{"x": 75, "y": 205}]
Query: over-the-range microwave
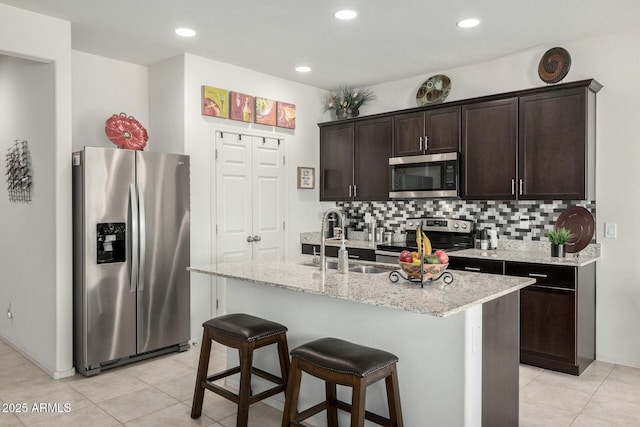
[{"x": 425, "y": 176}]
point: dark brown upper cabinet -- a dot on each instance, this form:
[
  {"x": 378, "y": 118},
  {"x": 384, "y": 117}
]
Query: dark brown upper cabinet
[
  {"x": 537, "y": 146},
  {"x": 534, "y": 144},
  {"x": 436, "y": 130},
  {"x": 556, "y": 151},
  {"x": 354, "y": 160},
  {"x": 489, "y": 149},
  {"x": 336, "y": 161}
]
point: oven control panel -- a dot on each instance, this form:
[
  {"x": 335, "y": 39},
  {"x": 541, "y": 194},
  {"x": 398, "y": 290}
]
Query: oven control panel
[{"x": 439, "y": 224}]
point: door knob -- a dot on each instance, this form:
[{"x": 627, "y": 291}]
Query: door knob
[
  {"x": 250, "y": 239},
  {"x": 257, "y": 238}
]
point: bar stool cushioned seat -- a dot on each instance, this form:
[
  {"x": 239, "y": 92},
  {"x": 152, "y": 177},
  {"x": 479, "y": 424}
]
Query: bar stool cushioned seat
[
  {"x": 244, "y": 327},
  {"x": 245, "y": 333},
  {"x": 341, "y": 362}
]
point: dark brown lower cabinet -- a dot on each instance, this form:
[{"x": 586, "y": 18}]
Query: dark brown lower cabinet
[
  {"x": 332, "y": 251},
  {"x": 557, "y": 316}
]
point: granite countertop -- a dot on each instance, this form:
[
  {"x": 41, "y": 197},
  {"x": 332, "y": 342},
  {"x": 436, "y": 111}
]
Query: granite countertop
[
  {"x": 526, "y": 256},
  {"x": 508, "y": 250},
  {"x": 467, "y": 289}
]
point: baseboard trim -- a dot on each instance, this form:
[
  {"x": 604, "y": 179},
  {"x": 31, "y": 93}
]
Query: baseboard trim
[{"x": 56, "y": 375}]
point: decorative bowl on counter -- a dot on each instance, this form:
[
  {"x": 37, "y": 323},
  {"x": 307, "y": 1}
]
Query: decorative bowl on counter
[{"x": 430, "y": 270}]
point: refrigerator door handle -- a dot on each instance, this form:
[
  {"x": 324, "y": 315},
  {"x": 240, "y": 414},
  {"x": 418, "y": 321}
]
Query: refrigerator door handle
[
  {"x": 143, "y": 237},
  {"x": 133, "y": 236}
]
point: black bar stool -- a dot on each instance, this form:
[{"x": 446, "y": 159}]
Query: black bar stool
[
  {"x": 340, "y": 362},
  {"x": 246, "y": 333}
]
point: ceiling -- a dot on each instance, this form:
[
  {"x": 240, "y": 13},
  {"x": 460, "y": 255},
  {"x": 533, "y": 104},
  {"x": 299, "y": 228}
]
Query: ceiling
[{"x": 389, "y": 40}]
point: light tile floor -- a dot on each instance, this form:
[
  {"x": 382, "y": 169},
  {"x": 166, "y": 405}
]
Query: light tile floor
[{"x": 158, "y": 392}]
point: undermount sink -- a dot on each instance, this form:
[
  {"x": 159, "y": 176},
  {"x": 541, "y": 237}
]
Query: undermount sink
[
  {"x": 370, "y": 269},
  {"x": 364, "y": 269},
  {"x": 331, "y": 265}
]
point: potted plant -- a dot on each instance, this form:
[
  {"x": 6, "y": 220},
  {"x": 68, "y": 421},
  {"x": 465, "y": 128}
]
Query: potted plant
[
  {"x": 346, "y": 101},
  {"x": 558, "y": 239}
]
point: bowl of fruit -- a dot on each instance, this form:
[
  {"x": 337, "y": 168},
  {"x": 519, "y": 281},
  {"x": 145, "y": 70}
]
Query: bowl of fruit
[{"x": 433, "y": 264}]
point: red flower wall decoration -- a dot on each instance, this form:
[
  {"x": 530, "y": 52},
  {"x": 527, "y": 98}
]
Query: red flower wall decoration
[{"x": 126, "y": 132}]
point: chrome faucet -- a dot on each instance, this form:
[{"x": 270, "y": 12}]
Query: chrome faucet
[{"x": 323, "y": 239}]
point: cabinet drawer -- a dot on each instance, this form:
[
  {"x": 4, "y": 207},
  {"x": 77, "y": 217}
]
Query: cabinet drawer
[
  {"x": 552, "y": 276},
  {"x": 476, "y": 265},
  {"x": 332, "y": 251}
]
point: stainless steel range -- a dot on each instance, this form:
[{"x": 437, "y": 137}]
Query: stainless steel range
[{"x": 445, "y": 233}]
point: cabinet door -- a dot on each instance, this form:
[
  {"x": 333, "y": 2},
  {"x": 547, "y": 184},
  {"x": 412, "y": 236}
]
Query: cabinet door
[
  {"x": 548, "y": 323},
  {"x": 372, "y": 152},
  {"x": 489, "y": 141},
  {"x": 409, "y": 129},
  {"x": 442, "y": 128},
  {"x": 336, "y": 161},
  {"x": 553, "y": 145}
]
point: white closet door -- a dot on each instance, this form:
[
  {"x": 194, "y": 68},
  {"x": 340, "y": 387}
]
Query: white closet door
[
  {"x": 268, "y": 198},
  {"x": 234, "y": 197}
]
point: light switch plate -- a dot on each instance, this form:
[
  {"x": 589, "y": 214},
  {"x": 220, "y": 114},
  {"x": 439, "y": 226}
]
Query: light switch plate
[
  {"x": 524, "y": 222},
  {"x": 611, "y": 230}
]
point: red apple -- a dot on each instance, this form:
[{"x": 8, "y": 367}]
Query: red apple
[
  {"x": 405, "y": 256},
  {"x": 442, "y": 256}
]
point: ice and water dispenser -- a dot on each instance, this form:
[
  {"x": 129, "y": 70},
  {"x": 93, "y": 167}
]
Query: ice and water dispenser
[{"x": 111, "y": 242}]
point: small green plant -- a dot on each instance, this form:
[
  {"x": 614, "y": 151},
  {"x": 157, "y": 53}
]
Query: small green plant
[
  {"x": 559, "y": 236},
  {"x": 348, "y": 97}
]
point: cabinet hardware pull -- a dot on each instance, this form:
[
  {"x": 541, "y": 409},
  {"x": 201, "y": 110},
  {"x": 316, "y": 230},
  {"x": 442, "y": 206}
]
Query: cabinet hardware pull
[
  {"x": 472, "y": 268},
  {"x": 421, "y": 141},
  {"x": 513, "y": 187},
  {"x": 354, "y": 256},
  {"x": 544, "y": 276},
  {"x": 249, "y": 239},
  {"x": 426, "y": 143},
  {"x": 355, "y": 190},
  {"x": 521, "y": 186},
  {"x": 350, "y": 190},
  {"x": 257, "y": 238}
]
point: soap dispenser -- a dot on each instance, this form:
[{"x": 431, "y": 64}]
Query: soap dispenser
[{"x": 343, "y": 259}]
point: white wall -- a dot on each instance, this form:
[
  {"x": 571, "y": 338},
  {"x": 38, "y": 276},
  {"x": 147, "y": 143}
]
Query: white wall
[
  {"x": 613, "y": 61},
  {"x": 43, "y": 331},
  {"x": 28, "y": 232},
  {"x": 102, "y": 87},
  {"x": 301, "y": 148}
]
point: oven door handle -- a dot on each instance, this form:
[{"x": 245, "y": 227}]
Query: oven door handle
[{"x": 387, "y": 253}]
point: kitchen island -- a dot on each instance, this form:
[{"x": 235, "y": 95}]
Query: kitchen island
[{"x": 458, "y": 344}]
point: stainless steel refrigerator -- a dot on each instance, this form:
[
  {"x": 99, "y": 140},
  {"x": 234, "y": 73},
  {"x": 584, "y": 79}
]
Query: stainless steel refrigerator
[{"x": 131, "y": 250}]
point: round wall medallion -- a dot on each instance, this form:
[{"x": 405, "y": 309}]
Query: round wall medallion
[{"x": 554, "y": 65}]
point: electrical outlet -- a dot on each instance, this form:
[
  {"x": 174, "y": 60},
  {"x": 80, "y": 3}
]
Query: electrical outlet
[
  {"x": 10, "y": 311},
  {"x": 524, "y": 222},
  {"x": 611, "y": 230}
]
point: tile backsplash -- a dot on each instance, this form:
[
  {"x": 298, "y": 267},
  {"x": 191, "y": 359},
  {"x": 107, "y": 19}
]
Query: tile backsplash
[{"x": 505, "y": 216}]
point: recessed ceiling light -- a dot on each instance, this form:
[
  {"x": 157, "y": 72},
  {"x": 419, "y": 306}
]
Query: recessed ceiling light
[
  {"x": 303, "y": 69},
  {"x": 468, "y": 23},
  {"x": 185, "y": 32},
  {"x": 345, "y": 15}
]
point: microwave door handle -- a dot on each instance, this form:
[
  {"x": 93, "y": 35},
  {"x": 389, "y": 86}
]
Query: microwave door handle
[{"x": 133, "y": 238}]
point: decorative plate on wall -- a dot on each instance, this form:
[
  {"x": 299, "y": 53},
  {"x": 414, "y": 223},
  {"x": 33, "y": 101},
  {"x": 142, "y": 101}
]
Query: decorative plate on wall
[
  {"x": 434, "y": 90},
  {"x": 580, "y": 223},
  {"x": 554, "y": 65}
]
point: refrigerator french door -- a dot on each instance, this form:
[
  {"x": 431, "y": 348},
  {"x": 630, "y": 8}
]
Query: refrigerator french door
[{"x": 131, "y": 251}]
